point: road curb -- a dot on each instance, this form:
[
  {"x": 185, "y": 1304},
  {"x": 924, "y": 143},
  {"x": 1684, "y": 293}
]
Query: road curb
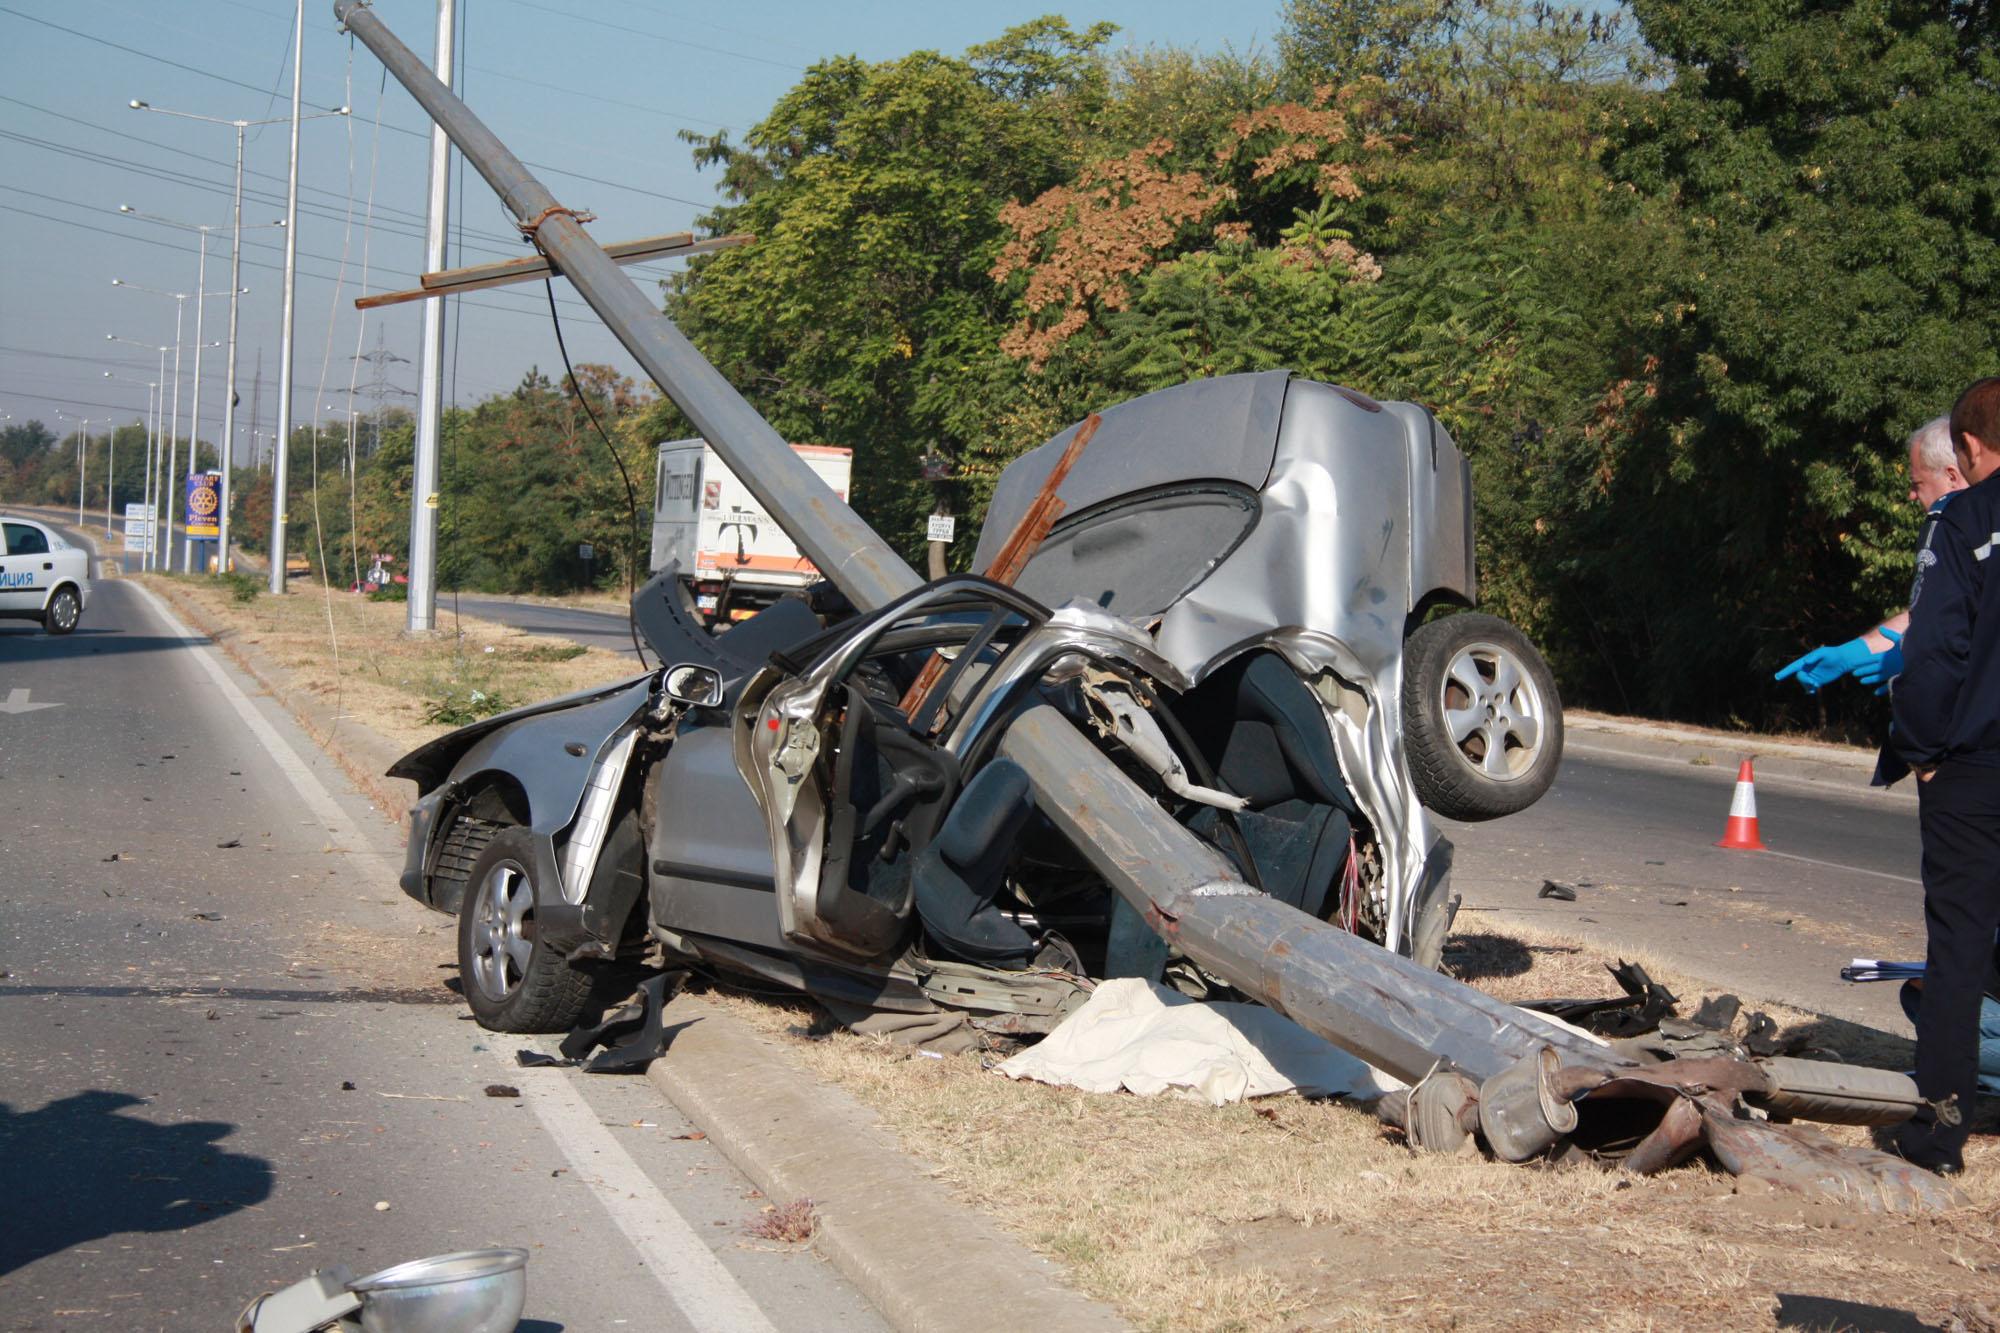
[
  {"x": 927, "y": 1261},
  {"x": 1674, "y": 739},
  {"x": 358, "y": 751}
]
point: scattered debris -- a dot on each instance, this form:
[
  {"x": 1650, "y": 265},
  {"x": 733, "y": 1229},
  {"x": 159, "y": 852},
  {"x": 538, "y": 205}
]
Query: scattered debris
[
  {"x": 502, "y": 1090},
  {"x": 637, "y": 1029},
  {"x": 233, "y": 842},
  {"x": 693, "y": 1136},
  {"x": 1718, "y": 1013},
  {"x": 1560, "y": 892},
  {"x": 204, "y": 916},
  {"x": 419, "y": 1097},
  {"x": 1638, "y": 1011},
  {"x": 382, "y": 1205},
  {"x": 1761, "y": 1035},
  {"x": 346, "y": 1085},
  {"x": 792, "y": 1223},
  {"x": 115, "y": 856},
  {"x": 528, "y": 1059}
]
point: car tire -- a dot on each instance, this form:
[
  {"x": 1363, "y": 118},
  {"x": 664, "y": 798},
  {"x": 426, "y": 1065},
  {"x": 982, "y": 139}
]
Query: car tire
[
  {"x": 1481, "y": 718},
  {"x": 65, "y": 608},
  {"x": 513, "y": 981}
]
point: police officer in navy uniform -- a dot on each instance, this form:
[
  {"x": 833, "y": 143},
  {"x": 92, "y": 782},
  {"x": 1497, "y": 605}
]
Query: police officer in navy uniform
[{"x": 1946, "y": 706}]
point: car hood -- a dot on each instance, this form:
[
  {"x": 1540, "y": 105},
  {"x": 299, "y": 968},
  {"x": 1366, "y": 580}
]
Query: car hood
[{"x": 430, "y": 763}]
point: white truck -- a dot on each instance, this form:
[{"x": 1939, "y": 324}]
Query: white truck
[{"x": 733, "y": 557}]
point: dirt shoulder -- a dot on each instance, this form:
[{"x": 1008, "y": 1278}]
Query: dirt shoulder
[
  {"x": 1289, "y": 1213},
  {"x": 1285, "y": 1213}
]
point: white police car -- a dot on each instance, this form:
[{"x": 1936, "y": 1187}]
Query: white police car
[{"x": 42, "y": 577}]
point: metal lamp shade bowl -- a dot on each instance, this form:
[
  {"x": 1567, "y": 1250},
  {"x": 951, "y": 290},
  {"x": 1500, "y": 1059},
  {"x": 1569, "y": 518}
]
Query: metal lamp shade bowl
[{"x": 473, "y": 1291}]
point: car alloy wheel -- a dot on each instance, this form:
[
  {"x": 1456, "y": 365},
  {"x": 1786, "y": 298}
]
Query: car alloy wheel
[
  {"x": 502, "y": 945},
  {"x": 513, "y": 980},
  {"x": 1482, "y": 723},
  {"x": 1494, "y": 713}
]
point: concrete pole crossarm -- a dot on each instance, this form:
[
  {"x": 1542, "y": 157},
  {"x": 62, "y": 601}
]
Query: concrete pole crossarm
[
  {"x": 832, "y": 536},
  {"x": 1378, "y": 1006}
]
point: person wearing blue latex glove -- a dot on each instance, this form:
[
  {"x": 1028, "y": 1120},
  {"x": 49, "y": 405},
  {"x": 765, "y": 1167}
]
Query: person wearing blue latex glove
[
  {"x": 1875, "y": 658},
  {"x": 1823, "y": 666},
  {"x": 1883, "y": 667}
]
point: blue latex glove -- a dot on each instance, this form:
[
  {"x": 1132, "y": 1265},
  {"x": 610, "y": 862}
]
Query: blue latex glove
[
  {"x": 1823, "y": 666},
  {"x": 1883, "y": 667}
]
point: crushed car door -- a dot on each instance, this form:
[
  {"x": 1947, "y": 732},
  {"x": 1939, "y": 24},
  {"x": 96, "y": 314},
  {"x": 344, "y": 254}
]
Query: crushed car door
[{"x": 852, "y": 784}]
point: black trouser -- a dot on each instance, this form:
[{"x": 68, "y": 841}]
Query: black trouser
[{"x": 1959, "y": 811}]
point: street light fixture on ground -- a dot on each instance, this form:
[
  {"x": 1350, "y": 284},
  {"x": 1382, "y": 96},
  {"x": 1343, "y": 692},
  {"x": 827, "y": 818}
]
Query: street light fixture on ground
[{"x": 236, "y": 266}]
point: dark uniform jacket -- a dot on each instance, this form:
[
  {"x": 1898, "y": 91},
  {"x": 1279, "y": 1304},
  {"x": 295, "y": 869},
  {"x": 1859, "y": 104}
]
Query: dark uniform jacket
[{"x": 1946, "y": 702}]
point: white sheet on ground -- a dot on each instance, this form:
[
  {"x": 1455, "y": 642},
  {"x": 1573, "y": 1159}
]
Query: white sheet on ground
[{"x": 1144, "y": 1038}]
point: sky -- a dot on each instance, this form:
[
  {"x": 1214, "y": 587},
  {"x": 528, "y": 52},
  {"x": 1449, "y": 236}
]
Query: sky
[{"x": 590, "y": 93}]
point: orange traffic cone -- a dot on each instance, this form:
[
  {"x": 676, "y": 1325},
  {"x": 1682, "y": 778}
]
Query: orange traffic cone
[{"x": 1741, "y": 833}]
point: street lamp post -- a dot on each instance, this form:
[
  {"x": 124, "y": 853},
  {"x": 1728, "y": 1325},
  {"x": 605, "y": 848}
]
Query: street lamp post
[
  {"x": 111, "y": 445},
  {"x": 173, "y": 420},
  {"x": 82, "y": 440},
  {"x": 235, "y": 283},
  {"x": 152, "y": 451},
  {"x": 200, "y": 306}
]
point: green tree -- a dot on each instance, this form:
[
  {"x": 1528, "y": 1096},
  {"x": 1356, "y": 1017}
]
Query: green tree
[
  {"x": 1834, "y": 169},
  {"x": 863, "y": 315}
]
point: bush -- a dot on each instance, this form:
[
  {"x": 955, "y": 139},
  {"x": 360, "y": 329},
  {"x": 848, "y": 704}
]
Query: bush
[
  {"x": 460, "y": 704},
  {"x": 242, "y": 587},
  {"x": 394, "y": 592}
]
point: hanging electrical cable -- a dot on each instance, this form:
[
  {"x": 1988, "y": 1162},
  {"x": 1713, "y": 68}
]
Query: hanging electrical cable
[
  {"x": 631, "y": 496},
  {"x": 360, "y": 336}
]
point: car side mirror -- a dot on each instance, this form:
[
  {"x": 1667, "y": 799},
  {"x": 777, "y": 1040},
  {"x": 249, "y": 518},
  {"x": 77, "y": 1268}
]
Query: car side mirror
[{"x": 699, "y": 686}]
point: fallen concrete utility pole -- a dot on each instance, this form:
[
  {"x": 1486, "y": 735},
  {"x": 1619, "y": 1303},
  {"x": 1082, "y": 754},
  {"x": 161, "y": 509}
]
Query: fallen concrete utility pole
[{"x": 1479, "y": 1064}]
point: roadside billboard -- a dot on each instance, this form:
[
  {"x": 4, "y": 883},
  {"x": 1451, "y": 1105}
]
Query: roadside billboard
[{"x": 204, "y": 504}]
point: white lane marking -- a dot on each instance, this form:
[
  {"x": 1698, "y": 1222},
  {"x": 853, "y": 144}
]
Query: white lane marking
[
  {"x": 1835, "y": 865},
  {"x": 1856, "y": 792},
  {"x": 317, "y": 798},
  {"x": 17, "y": 702},
  {"x": 708, "y": 1296},
  {"x": 686, "y": 1269}
]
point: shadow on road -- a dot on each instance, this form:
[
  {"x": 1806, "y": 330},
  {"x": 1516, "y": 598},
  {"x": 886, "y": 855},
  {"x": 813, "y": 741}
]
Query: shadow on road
[
  {"x": 23, "y": 641},
  {"x": 78, "y": 1170}
]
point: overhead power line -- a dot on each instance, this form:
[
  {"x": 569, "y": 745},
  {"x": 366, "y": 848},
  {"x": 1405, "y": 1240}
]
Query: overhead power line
[{"x": 396, "y": 129}]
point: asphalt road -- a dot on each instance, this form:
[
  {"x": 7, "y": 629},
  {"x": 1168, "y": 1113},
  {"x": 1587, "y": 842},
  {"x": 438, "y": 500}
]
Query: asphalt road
[
  {"x": 1631, "y": 826},
  {"x": 229, "y": 1053},
  {"x": 596, "y": 629},
  {"x": 1633, "y": 832}
]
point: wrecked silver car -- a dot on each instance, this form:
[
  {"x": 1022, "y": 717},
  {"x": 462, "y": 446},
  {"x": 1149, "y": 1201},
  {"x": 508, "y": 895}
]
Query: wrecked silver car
[{"x": 1236, "y": 602}]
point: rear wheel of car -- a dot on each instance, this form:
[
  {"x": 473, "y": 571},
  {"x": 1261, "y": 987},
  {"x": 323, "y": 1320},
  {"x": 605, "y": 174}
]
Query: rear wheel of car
[
  {"x": 513, "y": 981},
  {"x": 64, "y": 610},
  {"x": 1481, "y": 718}
]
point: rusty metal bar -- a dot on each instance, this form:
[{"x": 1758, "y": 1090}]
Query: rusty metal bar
[
  {"x": 832, "y": 536},
  {"x": 478, "y": 277}
]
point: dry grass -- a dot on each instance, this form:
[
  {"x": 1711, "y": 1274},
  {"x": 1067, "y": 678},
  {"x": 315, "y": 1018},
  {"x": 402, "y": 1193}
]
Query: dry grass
[
  {"x": 352, "y": 651},
  {"x": 1293, "y": 1214}
]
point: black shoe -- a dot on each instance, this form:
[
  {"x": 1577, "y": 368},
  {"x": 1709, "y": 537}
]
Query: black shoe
[{"x": 1917, "y": 1145}]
